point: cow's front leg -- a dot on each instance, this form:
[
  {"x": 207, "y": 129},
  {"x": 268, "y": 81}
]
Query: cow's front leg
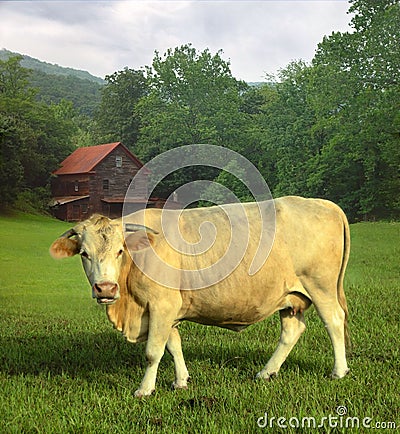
[
  {"x": 157, "y": 339},
  {"x": 292, "y": 326},
  {"x": 174, "y": 347}
]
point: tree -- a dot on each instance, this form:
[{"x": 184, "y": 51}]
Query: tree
[
  {"x": 228, "y": 186},
  {"x": 84, "y": 94},
  {"x": 34, "y": 137},
  {"x": 11, "y": 169},
  {"x": 116, "y": 117},
  {"x": 289, "y": 143},
  {"x": 194, "y": 97},
  {"x": 366, "y": 11},
  {"x": 356, "y": 93},
  {"x": 14, "y": 79},
  {"x": 331, "y": 128}
]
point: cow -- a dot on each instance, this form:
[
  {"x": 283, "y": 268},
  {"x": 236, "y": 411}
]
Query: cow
[{"x": 304, "y": 265}]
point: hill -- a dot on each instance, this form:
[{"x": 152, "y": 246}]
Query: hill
[
  {"x": 50, "y": 68},
  {"x": 84, "y": 94},
  {"x": 55, "y": 83}
]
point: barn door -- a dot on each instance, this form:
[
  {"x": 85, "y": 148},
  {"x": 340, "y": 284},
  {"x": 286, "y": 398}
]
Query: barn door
[{"x": 76, "y": 212}]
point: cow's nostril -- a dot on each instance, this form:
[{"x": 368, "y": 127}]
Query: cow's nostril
[{"x": 105, "y": 289}]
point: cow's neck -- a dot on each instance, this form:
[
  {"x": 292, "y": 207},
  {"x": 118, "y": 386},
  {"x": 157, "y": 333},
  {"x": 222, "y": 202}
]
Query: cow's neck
[{"x": 127, "y": 314}]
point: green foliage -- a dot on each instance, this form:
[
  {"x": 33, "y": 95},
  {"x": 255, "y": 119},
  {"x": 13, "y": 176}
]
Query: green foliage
[
  {"x": 288, "y": 120},
  {"x": 84, "y": 94},
  {"x": 34, "y": 137},
  {"x": 193, "y": 99},
  {"x": 356, "y": 93},
  {"x": 365, "y": 12},
  {"x": 331, "y": 129},
  {"x": 33, "y": 200},
  {"x": 116, "y": 116},
  {"x": 64, "y": 369},
  {"x": 53, "y": 83},
  {"x": 230, "y": 181},
  {"x": 28, "y": 62},
  {"x": 327, "y": 129},
  {"x": 11, "y": 169},
  {"x": 14, "y": 80}
]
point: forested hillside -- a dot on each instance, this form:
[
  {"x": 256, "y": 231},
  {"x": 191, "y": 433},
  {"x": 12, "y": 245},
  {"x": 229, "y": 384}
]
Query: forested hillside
[
  {"x": 50, "y": 68},
  {"x": 55, "y": 83},
  {"x": 329, "y": 129},
  {"x": 84, "y": 94}
]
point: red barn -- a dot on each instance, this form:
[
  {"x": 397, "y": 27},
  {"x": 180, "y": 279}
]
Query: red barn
[{"x": 95, "y": 180}]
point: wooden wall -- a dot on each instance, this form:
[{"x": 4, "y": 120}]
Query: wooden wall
[{"x": 107, "y": 171}]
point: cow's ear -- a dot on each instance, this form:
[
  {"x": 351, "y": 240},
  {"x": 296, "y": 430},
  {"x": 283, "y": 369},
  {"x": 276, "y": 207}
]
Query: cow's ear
[
  {"x": 139, "y": 240},
  {"x": 64, "y": 247}
]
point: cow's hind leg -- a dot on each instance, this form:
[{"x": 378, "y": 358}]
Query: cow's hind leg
[
  {"x": 292, "y": 326},
  {"x": 333, "y": 317},
  {"x": 174, "y": 347}
]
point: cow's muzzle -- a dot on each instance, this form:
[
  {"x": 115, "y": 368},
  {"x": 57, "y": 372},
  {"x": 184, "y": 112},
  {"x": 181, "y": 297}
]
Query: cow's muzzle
[{"x": 105, "y": 292}]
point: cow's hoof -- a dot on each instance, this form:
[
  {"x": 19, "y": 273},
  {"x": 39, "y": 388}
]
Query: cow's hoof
[
  {"x": 265, "y": 376},
  {"x": 336, "y": 375},
  {"x": 182, "y": 384},
  {"x": 141, "y": 393},
  {"x": 176, "y": 386}
]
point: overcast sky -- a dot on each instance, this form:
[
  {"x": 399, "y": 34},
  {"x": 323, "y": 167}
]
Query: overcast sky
[{"x": 102, "y": 37}]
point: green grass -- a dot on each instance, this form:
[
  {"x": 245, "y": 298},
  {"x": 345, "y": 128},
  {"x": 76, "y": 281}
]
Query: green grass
[{"x": 63, "y": 369}]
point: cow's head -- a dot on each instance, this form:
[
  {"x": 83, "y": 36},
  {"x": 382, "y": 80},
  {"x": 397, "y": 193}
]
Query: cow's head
[{"x": 100, "y": 243}]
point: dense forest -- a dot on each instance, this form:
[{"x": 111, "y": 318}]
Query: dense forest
[
  {"x": 50, "y": 68},
  {"x": 330, "y": 128},
  {"x": 53, "y": 83}
]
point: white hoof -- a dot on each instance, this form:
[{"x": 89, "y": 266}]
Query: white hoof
[
  {"x": 181, "y": 384},
  {"x": 339, "y": 374},
  {"x": 266, "y": 376},
  {"x": 140, "y": 393},
  {"x": 176, "y": 386}
]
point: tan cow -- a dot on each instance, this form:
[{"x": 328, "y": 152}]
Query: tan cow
[{"x": 146, "y": 301}]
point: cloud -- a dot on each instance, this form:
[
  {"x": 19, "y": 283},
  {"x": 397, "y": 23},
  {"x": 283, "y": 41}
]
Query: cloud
[{"x": 103, "y": 37}]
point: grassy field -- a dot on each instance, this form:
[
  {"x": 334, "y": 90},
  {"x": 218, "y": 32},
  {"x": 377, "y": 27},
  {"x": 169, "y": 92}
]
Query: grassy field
[{"x": 63, "y": 369}]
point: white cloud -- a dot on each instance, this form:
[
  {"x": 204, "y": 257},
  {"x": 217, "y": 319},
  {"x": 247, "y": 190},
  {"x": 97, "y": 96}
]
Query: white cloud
[{"x": 103, "y": 37}]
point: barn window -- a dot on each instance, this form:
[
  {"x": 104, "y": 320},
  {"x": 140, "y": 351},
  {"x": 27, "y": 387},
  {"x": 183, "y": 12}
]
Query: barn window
[
  {"x": 106, "y": 184},
  {"x": 118, "y": 161},
  {"x": 76, "y": 186}
]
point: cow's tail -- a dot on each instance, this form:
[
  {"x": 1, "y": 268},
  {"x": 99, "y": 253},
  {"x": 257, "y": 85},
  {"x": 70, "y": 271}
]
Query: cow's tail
[{"x": 340, "y": 286}]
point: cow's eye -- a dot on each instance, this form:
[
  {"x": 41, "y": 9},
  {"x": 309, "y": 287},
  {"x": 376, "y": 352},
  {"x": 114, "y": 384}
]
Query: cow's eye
[{"x": 120, "y": 253}]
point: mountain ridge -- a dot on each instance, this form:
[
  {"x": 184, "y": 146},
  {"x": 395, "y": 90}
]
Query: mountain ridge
[
  {"x": 55, "y": 83},
  {"x": 50, "y": 68}
]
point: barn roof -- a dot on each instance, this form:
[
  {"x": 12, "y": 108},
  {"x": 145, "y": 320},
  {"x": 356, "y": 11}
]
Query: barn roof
[
  {"x": 66, "y": 199},
  {"x": 84, "y": 160}
]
